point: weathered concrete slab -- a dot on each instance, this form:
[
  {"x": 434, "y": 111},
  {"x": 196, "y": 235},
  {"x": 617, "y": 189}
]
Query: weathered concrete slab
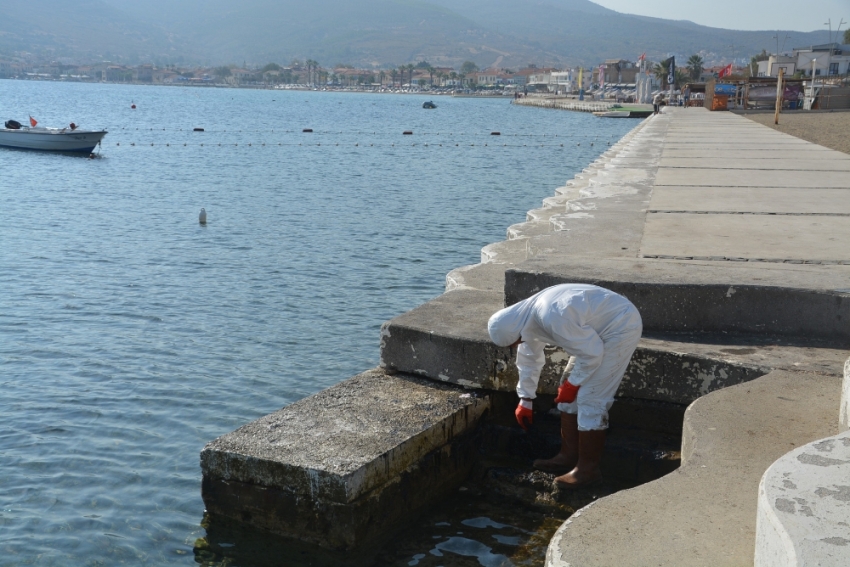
[
  {"x": 446, "y": 339},
  {"x": 339, "y": 467},
  {"x": 688, "y": 296},
  {"x": 804, "y": 507},
  {"x": 751, "y": 199},
  {"x": 787, "y": 237},
  {"x": 707, "y": 177},
  {"x": 704, "y": 513}
]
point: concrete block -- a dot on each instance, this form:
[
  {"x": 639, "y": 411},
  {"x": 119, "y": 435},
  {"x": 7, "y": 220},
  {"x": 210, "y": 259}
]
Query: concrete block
[
  {"x": 804, "y": 507},
  {"x": 446, "y": 339},
  {"x": 692, "y": 296},
  {"x": 348, "y": 465}
]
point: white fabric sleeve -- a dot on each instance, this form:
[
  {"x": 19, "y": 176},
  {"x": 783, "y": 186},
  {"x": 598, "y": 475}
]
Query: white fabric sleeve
[
  {"x": 582, "y": 342},
  {"x": 530, "y": 359}
]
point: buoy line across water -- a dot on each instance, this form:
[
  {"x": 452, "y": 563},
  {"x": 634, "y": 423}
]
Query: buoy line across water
[
  {"x": 312, "y": 132},
  {"x": 348, "y": 144}
]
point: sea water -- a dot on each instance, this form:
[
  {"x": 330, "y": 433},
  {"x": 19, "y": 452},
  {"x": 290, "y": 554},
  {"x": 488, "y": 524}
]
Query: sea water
[{"x": 131, "y": 335}]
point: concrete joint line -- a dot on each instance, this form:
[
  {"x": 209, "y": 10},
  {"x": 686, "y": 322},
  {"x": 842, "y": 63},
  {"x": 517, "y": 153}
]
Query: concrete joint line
[
  {"x": 750, "y": 213},
  {"x": 733, "y": 259}
]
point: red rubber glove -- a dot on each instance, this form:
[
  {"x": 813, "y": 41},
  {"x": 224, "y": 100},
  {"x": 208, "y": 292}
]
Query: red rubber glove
[
  {"x": 524, "y": 415},
  {"x": 566, "y": 393}
]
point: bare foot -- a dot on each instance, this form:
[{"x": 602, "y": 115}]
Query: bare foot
[
  {"x": 560, "y": 463},
  {"x": 578, "y": 479}
]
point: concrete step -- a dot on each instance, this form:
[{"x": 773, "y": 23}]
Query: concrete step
[
  {"x": 704, "y": 513},
  {"x": 446, "y": 339},
  {"x": 347, "y": 466},
  {"x": 684, "y": 296}
]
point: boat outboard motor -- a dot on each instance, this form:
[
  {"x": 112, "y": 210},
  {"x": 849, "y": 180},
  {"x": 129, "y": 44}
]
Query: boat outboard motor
[{"x": 13, "y": 125}]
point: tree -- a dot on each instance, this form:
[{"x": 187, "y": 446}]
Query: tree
[
  {"x": 382, "y": 75},
  {"x": 847, "y": 36},
  {"x": 271, "y": 67},
  {"x": 410, "y": 68},
  {"x": 431, "y": 72},
  {"x": 661, "y": 70},
  {"x": 468, "y": 67},
  {"x": 312, "y": 67},
  {"x": 221, "y": 72},
  {"x": 695, "y": 67},
  {"x": 754, "y": 62},
  {"x": 393, "y": 75}
]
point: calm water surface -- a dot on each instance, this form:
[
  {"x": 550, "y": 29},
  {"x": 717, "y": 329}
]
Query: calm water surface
[{"x": 130, "y": 335}]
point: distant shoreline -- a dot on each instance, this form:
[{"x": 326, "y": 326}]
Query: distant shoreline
[{"x": 273, "y": 88}]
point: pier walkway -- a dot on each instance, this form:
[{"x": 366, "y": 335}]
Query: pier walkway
[
  {"x": 730, "y": 202},
  {"x": 731, "y": 239}
]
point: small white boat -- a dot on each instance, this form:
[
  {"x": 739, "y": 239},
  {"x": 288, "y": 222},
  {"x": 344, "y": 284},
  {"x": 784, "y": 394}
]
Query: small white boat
[
  {"x": 51, "y": 139},
  {"x": 614, "y": 114}
]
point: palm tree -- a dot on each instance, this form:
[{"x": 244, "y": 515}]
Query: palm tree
[
  {"x": 410, "y": 68},
  {"x": 383, "y": 76},
  {"x": 431, "y": 71},
  {"x": 660, "y": 70},
  {"x": 695, "y": 66},
  {"x": 393, "y": 74}
]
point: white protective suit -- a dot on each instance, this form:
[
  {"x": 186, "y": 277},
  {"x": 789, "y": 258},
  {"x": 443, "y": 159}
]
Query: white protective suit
[{"x": 600, "y": 328}]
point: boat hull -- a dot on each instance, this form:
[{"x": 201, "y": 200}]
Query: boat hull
[{"x": 51, "y": 140}]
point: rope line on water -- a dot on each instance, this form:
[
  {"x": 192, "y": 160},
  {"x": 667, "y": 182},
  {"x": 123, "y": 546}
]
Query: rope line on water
[
  {"x": 354, "y": 145},
  {"x": 356, "y": 133}
]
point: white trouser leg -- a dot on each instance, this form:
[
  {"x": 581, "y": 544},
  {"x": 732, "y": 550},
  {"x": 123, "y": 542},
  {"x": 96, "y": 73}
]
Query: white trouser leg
[{"x": 596, "y": 395}]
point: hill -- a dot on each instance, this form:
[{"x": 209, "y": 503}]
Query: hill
[{"x": 376, "y": 33}]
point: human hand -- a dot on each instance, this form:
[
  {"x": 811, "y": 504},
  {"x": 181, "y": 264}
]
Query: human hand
[
  {"x": 523, "y": 413},
  {"x": 566, "y": 393}
]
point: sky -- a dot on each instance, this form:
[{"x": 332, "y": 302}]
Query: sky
[{"x": 809, "y": 15}]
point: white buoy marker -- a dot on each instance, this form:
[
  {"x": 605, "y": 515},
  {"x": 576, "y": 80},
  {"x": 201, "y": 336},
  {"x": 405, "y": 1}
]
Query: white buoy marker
[{"x": 202, "y": 218}]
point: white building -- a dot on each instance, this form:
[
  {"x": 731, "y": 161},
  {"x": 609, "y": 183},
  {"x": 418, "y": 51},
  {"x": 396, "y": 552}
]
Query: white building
[{"x": 826, "y": 60}]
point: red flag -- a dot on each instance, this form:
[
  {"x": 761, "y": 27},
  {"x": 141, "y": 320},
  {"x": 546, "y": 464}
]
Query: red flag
[
  {"x": 727, "y": 70},
  {"x": 642, "y": 57},
  {"x": 33, "y": 122}
]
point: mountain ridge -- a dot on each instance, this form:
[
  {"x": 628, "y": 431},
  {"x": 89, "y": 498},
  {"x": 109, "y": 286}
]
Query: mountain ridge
[{"x": 365, "y": 33}]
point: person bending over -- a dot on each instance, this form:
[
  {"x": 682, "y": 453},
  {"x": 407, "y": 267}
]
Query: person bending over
[{"x": 601, "y": 329}]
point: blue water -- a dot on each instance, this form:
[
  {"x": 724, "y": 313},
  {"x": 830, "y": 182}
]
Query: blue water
[{"x": 130, "y": 335}]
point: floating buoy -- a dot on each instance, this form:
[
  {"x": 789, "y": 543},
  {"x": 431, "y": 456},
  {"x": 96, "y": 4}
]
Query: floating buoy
[
  {"x": 197, "y": 130},
  {"x": 307, "y": 130},
  {"x": 407, "y": 133},
  {"x": 133, "y": 106},
  {"x": 495, "y": 133},
  {"x": 202, "y": 218}
]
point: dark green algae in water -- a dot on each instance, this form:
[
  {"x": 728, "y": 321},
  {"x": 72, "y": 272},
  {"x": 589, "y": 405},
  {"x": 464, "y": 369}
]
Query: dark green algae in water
[{"x": 470, "y": 529}]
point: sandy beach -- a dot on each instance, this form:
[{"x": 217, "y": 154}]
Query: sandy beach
[{"x": 830, "y": 129}]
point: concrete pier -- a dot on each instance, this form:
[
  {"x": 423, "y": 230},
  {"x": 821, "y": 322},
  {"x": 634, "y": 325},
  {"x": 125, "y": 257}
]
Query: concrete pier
[
  {"x": 344, "y": 467},
  {"x": 731, "y": 240}
]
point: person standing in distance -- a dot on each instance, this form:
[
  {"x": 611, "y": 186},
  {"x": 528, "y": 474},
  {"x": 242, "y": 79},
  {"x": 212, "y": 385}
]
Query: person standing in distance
[{"x": 601, "y": 329}]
